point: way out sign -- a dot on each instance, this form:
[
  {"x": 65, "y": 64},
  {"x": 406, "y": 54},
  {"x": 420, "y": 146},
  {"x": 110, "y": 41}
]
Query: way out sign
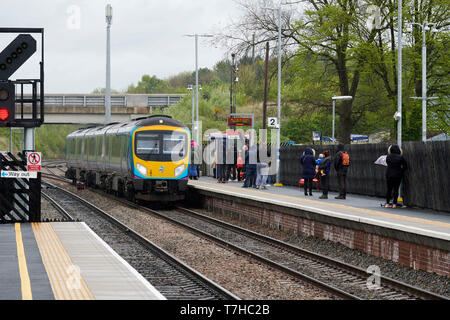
[
  {"x": 18, "y": 174},
  {"x": 34, "y": 161}
]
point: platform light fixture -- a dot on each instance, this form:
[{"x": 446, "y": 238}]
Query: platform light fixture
[
  {"x": 341, "y": 98},
  {"x": 196, "y": 36},
  {"x": 425, "y": 27}
]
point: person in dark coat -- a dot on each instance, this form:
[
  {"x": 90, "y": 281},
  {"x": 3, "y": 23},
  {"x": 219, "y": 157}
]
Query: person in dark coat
[
  {"x": 341, "y": 169},
  {"x": 308, "y": 162},
  {"x": 324, "y": 171},
  {"x": 396, "y": 166},
  {"x": 221, "y": 161},
  {"x": 250, "y": 166}
]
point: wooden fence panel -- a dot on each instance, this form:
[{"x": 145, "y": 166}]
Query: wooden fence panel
[{"x": 426, "y": 183}]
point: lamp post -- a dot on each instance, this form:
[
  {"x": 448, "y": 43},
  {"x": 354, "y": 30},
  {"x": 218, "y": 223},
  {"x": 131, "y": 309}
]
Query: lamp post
[
  {"x": 398, "y": 115},
  {"x": 108, "y": 14},
  {"x": 425, "y": 27},
  {"x": 343, "y": 98},
  {"x": 196, "y": 36},
  {"x": 191, "y": 88}
]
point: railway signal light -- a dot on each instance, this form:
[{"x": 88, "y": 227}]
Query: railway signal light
[
  {"x": 15, "y": 55},
  {"x": 7, "y": 104}
]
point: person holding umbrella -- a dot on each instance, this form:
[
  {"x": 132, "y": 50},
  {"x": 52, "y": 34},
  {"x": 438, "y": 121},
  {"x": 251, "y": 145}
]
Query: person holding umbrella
[{"x": 396, "y": 166}]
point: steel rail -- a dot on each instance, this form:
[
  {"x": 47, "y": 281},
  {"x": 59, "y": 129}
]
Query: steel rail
[
  {"x": 392, "y": 283},
  {"x": 60, "y": 209},
  {"x": 153, "y": 247}
]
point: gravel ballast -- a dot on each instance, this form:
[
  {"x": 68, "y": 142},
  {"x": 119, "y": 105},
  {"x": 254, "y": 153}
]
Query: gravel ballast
[
  {"x": 428, "y": 281},
  {"x": 244, "y": 277}
]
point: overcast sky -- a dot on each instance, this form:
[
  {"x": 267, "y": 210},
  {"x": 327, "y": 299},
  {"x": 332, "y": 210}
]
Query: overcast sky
[{"x": 146, "y": 38}]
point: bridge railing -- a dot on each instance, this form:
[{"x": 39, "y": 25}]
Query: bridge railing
[
  {"x": 116, "y": 100},
  {"x": 156, "y": 101}
]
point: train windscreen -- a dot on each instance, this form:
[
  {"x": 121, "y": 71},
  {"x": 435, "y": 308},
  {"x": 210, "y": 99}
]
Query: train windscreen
[{"x": 161, "y": 145}]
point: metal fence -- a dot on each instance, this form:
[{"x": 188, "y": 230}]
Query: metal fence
[
  {"x": 426, "y": 183},
  {"x": 116, "y": 100},
  {"x": 157, "y": 101}
]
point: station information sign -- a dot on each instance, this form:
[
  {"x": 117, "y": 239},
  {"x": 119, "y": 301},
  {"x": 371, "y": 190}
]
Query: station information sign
[{"x": 239, "y": 122}]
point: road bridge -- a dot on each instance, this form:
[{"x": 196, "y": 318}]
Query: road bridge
[{"x": 90, "y": 108}]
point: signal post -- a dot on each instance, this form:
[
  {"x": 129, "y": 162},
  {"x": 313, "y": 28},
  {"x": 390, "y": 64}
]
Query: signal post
[{"x": 20, "y": 184}]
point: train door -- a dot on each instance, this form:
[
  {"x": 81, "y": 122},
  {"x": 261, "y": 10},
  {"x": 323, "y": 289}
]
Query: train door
[
  {"x": 123, "y": 154},
  {"x": 102, "y": 159},
  {"x": 83, "y": 150}
]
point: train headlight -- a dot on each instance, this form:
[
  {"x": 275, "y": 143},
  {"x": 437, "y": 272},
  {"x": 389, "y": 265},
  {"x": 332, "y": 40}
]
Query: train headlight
[
  {"x": 142, "y": 169},
  {"x": 179, "y": 170}
]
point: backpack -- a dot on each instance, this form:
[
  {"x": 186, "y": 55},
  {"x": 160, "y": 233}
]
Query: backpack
[{"x": 345, "y": 159}]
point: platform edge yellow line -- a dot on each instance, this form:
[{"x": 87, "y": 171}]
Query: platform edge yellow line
[{"x": 25, "y": 282}]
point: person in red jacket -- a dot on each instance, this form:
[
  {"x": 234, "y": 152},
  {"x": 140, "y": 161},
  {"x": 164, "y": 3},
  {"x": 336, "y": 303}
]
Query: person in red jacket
[
  {"x": 239, "y": 165},
  {"x": 341, "y": 164}
]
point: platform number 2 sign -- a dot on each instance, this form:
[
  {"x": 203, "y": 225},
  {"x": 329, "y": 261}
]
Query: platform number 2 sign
[{"x": 273, "y": 122}]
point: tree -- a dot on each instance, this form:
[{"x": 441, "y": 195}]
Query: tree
[
  {"x": 150, "y": 85},
  {"x": 382, "y": 60},
  {"x": 103, "y": 91},
  {"x": 334, "y": 30}
]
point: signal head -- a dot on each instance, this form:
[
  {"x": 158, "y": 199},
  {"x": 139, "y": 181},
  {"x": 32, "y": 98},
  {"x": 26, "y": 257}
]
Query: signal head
[
  {"x": 16, "y": 54},
  {"x": 7, "y": 104},
  {"x": 4, "y": 114}
]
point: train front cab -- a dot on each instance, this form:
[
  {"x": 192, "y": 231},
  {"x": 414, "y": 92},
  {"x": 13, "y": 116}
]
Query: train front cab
[{"x": 161, "y": 162}]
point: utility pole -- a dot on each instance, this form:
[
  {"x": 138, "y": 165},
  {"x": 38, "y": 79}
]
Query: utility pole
[
  {"x": 253, "y": 50},
  {"x": 231, "y": 82}
]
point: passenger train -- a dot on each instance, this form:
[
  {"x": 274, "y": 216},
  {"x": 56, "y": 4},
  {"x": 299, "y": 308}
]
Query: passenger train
[{"x": 145, "y": 159}]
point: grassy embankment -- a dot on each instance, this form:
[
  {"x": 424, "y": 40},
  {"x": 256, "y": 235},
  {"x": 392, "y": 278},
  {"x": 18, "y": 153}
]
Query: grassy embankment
[{"x": 49, "y": 139}]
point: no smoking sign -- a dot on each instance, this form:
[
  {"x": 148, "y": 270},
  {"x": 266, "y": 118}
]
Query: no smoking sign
[{"x": 34, "y": 161}]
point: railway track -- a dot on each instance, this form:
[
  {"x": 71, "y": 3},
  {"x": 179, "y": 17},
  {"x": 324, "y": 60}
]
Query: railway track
[
  {"x": 174, "y": 279},
  {"x": 336, "y": 277}
]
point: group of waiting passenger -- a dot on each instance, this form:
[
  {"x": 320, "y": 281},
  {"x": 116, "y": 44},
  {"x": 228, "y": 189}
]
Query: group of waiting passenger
[
  {"x": 246, "y": 165},
  {"x": 320, "y": 170}
]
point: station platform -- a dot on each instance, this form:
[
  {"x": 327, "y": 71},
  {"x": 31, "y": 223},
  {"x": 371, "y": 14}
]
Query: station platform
[
  {"x": 354, "y": 207},
  {"x": 65, "y": 261},
  {"x": 414, "y": 237}
]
